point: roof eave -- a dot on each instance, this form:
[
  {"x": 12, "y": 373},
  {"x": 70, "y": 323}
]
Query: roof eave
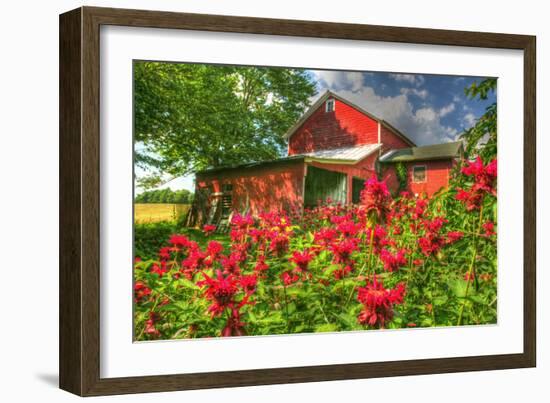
[
  {"x": 296, "y": 158},
  {"x": 345, "y": 161},
  {"x": 445, "y": 157}
]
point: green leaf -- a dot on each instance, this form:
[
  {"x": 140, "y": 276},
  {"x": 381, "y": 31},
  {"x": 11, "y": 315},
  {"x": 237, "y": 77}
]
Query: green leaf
[{"x": 327, "y": 327}]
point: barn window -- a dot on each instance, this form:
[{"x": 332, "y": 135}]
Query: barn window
[
  {"x": 419, "y": 173},
  {"x": 329, "y": 106}
]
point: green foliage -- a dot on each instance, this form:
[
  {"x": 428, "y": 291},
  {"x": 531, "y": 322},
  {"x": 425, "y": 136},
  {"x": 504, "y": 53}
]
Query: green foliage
[
  {"x": 402, "y": 175},
  {"x": 190, "y": 117},
  {"x": 149, "y": 238},
  {"x": 166, "y": 195},
  {"x": 481, "y": 139}
]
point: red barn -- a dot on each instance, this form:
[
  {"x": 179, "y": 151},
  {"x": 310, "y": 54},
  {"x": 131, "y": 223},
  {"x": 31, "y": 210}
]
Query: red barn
[{"x": 332, "y": 150}]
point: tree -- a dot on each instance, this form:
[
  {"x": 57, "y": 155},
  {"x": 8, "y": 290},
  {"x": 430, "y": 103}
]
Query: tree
[
  {"x": 166, "y": 195},
  {"x": 189, "y": 117},
  {"x": 481, "y": 139}
]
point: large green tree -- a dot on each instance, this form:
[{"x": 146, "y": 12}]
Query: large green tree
[
  {"x": 481, "y": 139},
  {"x": 190, "y": 117}
]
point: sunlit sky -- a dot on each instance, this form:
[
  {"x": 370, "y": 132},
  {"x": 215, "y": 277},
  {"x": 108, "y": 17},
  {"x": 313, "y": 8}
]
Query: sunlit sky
[{"x": 430, "y": 109}]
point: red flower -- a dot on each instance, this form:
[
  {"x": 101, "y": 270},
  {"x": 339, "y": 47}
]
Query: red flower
[
  {"x": 165, "y": 253},
  {"x": 141, "y": 291},
  {"x": 376, "y": 197},
  {"x": 393, "y": 262},
  {"x": 349, "y": 228},
  {"x": 261, "y": 265},
  {"x": 485, "y": 176},
  {"x": 220, "y": 290},
  {"x": 484, "y": 183},
  {"x": 150, "y": 328},
  {"x": 454, "y": 236},
  {"x": 379, "y": 237},
  {"x": 343, "y": 249},
  {"x": 248, "y": 283},
  {"x": 378, "y": 303},
  {"x": 419, "y": 208},
  {"x": 257, "y": 235},
  {"x": 231, "y": 263},
  {"x": 193, "y": 262},
  {"x": 214, "y": 248},
  {"x": 208, "y": 229},
  {"x": 432, "y": 241},
  {"x": 471, "y": 199},
  {"x": 180, "y": 241},
  {"x": 241, "y": 221},
  {"x": 159, "y": 269},
  {"x": 234, "y": 326},
  {"x": 279, "y": 243},
  {"x": 341, "y": 273},
  {"x": 288, "y": 278},
  {"x": 489, "y": 228},
  {"x": 324, "y": 236},
  {"x": 302, "y": 259}
]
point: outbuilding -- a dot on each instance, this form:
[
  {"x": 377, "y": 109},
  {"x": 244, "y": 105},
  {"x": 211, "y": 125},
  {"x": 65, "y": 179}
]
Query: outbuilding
[{"x": 332, "y": 149}]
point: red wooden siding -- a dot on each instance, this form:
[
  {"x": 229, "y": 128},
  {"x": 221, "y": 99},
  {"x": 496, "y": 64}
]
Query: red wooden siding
[
  {"x": 345, "y": 127},
  {"x": 437, "y": 176},
  {"x": 262, "y": 188},
  {"x": 390, "y": 140}
]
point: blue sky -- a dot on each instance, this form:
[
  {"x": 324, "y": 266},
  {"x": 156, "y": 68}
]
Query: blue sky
[{"x": 430, "y": 109}]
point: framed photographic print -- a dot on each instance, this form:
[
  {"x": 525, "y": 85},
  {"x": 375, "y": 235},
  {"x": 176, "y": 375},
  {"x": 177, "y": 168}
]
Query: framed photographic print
[{"x": 250, "y": 201}]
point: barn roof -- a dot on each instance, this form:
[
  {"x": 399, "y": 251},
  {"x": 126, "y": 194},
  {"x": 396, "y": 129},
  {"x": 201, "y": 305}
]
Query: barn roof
[
  {"x": 330, "y": 94},
  {"x": 254, "y": 164},
  {"x": 343, "y": 155},
  {"x": 424, "y": 153},
  {"x": 347, "y": 155}
]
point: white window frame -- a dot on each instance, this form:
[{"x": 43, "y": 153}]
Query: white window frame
[
  {"x": 330, "y": 102},
  {"x": 425, "y": 173}
]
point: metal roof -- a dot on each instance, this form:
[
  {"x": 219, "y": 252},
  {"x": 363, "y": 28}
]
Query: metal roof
[
  {"x": 344, "y": 155},
  {"x": 423, "y": 153},
  {"x": 253, "y": 164}
]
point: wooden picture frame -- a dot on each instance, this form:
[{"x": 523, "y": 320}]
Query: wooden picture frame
[{"x": 80, "y": 187}]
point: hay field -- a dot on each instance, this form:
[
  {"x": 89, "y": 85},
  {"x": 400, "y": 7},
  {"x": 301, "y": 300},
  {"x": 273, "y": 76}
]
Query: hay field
[{"x": 157, "y": 212}]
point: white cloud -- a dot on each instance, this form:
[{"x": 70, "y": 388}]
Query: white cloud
[
  {"x": 422, "y": 94},
  {"x": 423, "y": 125},
  {"x": 446, "y": 110},
  {"x": 340, "y": 80},
  {"x": 414, "y": 79},
  {"x": 469, "y": 119}
]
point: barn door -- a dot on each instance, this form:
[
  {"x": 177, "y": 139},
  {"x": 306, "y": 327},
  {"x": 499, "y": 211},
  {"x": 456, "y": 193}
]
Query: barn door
[{"x": 322, "y": 184}]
